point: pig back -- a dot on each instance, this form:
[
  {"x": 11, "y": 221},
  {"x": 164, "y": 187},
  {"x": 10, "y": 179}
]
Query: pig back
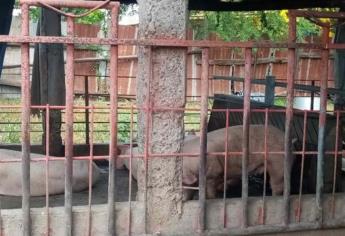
[{"x": 275, "y": 143}]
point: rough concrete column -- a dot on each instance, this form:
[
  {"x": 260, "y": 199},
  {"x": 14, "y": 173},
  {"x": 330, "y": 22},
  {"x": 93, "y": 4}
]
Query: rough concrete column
[{"x": 162, "y": 19}]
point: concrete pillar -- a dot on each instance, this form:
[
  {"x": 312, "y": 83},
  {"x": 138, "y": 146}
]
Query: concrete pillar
[{"x": 162, "y": 19}]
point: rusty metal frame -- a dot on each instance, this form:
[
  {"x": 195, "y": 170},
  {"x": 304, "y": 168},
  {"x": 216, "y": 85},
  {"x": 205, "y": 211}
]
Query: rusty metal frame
[
  {"x": 113, "y": 121},
  {"x": 288, "y": 117},
  {"x": 245, "y": 144},
  {"x": 25, "y": 104},
  {"x": 114, "y": 42},
  {"x": 322, "y": 126},
  {"x": 203, "y": 139}
]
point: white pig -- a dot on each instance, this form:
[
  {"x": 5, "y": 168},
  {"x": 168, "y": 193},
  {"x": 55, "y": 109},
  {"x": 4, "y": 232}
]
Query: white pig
[{"x": 11, "y": 172}]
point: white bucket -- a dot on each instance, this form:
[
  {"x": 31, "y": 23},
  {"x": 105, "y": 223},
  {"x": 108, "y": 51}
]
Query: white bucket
[{"x": 304, "y": 103}]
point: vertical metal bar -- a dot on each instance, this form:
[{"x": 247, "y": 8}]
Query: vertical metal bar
[
  {"x": 299, "y": 208},
  {"x": 312, "y": 96},
  {"x": 246, "y": 123},
  {"x": 288, "y": 117},
  {"x": 203, "y": 139},
  {"x": 87, "y": 122},
  {"x": 69, "y": 129},
  {"x": 322, "y": 127},
  {"x": 263, "y": 207},
  {"x": 113, "y": 123},
  {"x": 25, "y": 105},
  {"x": 336, "y": 156},
  {"x": 130, "y": 174},
  {"x": 90, "y": 171},
  {"x": 225, "y": 167},
  {"x": 47, "y": 167}
]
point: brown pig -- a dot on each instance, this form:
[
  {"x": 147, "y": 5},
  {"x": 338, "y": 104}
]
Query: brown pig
[
  {"x": 215, "y": 164},
  {"x": 11, "y": 172}
]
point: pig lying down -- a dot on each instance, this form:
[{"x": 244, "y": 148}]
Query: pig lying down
[
  {"x": 215, "y": 164},
  {"x": 10, "y": 175}
]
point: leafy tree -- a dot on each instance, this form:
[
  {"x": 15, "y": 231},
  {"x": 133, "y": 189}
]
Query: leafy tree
[{"x": 243, "y": 26}]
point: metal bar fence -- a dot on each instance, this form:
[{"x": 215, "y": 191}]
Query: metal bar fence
[{"x": 247, "y": 110}]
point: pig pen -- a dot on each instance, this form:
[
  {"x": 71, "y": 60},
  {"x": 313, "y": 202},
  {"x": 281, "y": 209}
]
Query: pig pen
[{"x": 160, "y": 210}]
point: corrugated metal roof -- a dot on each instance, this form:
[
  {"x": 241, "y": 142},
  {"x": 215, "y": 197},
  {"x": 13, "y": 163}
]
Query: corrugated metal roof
[{"x": 250, "y": 5}]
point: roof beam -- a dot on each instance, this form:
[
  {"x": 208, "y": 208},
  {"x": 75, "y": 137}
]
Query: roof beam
[{"x": 256, "y": 5}]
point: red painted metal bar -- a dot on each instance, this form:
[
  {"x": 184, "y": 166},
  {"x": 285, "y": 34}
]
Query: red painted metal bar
[
  {"x": 130, "y": 175},
  {"x": 225, "y": 168},
  {"x": 288, "y": 118},
  {"x": 113, "y": 122},
  {"x": 25, "y": 126},
  {"x": 47, "y": 138},
  {"x": 322, "y": 127},
  {"x": 263, "y": 207},
  {"x": 86, "y": 100},
  {"x": 69, "y": 3},
  {"x": 162, "y": 42},
  {"x": 203, "y": 140},
  {"x": 299, "y": 207},
  {"x": 336, "y": 156},
  {"x": 245, "y": 143},
  {"x": 167, "y": 155},
  {"x": 89, "y": 218},
  {"x": 69, "y": 130}
]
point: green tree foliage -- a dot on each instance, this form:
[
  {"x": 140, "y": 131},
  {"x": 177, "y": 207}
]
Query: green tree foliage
[{"x": 243, "y": 26}]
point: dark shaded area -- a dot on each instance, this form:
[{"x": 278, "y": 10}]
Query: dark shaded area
[
  {"x": 254, "y": 5},
  {"x": 6, "y": 8},
  {"x": 277, "y": 119},
  {"x": 339, "y": 63}
]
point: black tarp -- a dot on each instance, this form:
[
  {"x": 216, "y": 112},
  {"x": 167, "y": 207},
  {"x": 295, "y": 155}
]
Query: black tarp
[
  {"x": 6, "y": 8},
  {"x": 339, "y": 63}
]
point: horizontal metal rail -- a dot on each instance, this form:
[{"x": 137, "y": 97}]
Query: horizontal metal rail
[{"x": 301, "y": 87}]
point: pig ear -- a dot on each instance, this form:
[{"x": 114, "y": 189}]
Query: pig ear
[{"x": 189, "y": 179}]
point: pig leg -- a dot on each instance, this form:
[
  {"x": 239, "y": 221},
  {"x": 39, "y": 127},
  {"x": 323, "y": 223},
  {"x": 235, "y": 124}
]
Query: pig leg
[
  {"x": 211, "y": 188},
  {"x": 276, "y": 173},
  {"x": 187, "y": 194}
]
